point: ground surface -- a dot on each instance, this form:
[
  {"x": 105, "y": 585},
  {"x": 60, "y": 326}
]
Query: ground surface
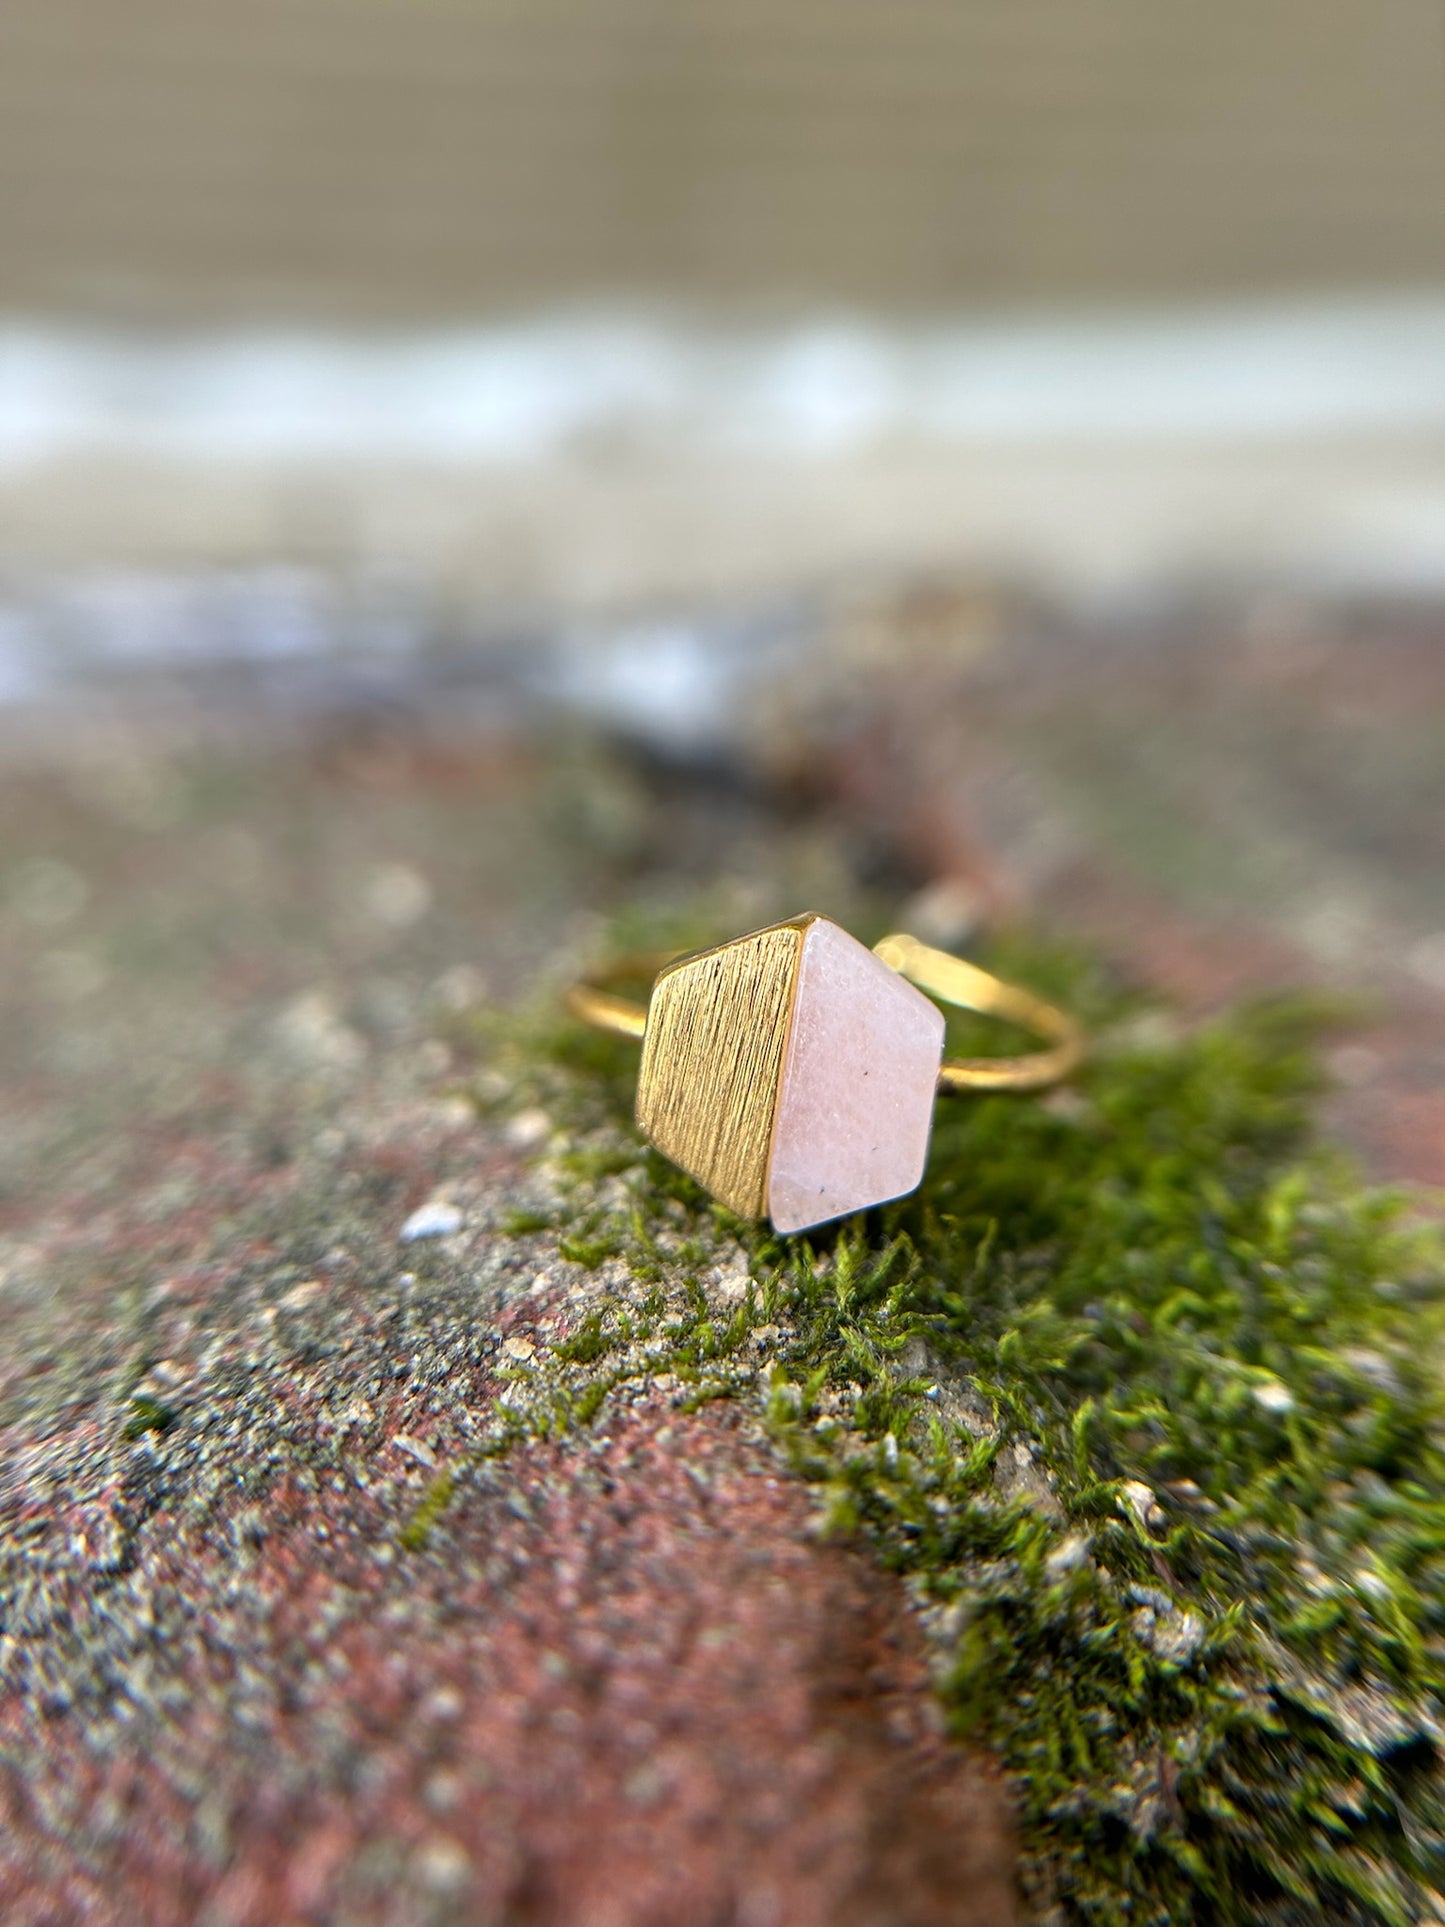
[
  {"x": 631, "y": 1681},
  {"x": 595, "y": 1558}
]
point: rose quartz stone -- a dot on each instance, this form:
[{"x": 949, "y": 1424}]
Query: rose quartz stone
[{"x": 860, "y": 1070}]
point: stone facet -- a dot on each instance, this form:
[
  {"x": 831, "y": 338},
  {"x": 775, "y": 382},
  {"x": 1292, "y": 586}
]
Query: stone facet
[{"x": 859, "y": 1075}]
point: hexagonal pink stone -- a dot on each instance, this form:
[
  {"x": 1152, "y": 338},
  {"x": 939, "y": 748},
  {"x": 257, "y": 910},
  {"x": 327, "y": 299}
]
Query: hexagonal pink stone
[{"x": 860, "y": 1070}]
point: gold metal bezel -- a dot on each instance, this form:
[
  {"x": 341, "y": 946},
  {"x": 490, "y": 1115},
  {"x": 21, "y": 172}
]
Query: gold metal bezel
[{"x": 712, "y": 1060}]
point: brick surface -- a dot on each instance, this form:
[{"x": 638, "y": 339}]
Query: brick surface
[{"x": 620, "y": 1680}]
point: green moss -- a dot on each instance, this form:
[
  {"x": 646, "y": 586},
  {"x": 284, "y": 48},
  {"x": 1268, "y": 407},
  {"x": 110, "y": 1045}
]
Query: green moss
[
  {"x": 417, "y": 1531},
  {"x": 1141, "y": 1394},
  {"x": 587, "y": 1344},
  {"x": 588, "y": 1252},
  {"x": 147, "y": 1414},
  {"x": 520, "y": 1224}
]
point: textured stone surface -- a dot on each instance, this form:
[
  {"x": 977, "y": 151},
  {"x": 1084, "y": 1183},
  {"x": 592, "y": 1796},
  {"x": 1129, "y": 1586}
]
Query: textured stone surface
[
  {"x": 859, "y": 1076},
  {"x": 623, "y": 1681},
  {"x": 230, "y": 1694},
  {"x": 623, "y": 1686}
]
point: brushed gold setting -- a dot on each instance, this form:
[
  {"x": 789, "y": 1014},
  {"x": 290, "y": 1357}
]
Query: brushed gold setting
[{"x": 712, "y": 1055}]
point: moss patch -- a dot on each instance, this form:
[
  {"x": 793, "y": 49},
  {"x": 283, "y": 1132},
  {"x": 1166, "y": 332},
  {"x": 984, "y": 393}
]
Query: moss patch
[
  {"x": 1142, "y": 1395},
  {"x": 145, "y": 1414},
  {"x": 434, "y": 1502}
]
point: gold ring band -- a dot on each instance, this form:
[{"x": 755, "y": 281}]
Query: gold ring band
[
  {"x": 755, "y": 1051},
  {"x": 596, "y": 999}
]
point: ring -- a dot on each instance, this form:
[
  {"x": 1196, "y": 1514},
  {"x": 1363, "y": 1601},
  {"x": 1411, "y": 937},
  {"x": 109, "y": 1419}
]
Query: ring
[{"x": 792, "y": 1072}]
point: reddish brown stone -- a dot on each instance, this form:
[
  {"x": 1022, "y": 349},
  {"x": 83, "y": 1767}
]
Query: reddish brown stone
[
  {"x": 623, "y": 1682},
  {"x": 623, "y": 1685}
]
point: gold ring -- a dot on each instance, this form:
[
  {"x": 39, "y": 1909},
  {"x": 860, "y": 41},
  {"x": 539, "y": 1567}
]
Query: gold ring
[{"x": 793, "y": 1071}]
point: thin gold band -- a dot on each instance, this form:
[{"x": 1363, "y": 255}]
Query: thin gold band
[{"x": 597, "y": 1001}]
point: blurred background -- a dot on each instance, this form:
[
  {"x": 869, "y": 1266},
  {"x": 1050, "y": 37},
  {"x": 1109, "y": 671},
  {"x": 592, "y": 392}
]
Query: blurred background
[
  {"x": 468, "y": 467},
  {"x": 573, "y": 303}
]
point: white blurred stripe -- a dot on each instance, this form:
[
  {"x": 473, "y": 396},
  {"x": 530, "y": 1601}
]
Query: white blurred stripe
[{"x": 515, "y": 394}]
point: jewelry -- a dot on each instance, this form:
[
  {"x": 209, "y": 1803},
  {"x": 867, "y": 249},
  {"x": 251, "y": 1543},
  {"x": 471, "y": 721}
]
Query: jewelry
[{"x": 792, "y": 1072}]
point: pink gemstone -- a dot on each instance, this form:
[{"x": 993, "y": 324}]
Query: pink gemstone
[{"x": 860, "y": 1070}]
